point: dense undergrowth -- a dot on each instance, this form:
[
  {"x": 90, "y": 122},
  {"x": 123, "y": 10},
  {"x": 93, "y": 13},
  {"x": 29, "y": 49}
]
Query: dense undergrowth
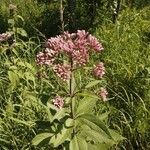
[
  {"x": 25, "y": 89},
  {"x": 127, "y": 59}
]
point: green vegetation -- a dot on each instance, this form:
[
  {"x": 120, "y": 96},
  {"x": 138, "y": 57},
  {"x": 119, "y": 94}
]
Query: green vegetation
[
  {"x": 126, "y": 56},
  {"x": 28, "y": 118}
]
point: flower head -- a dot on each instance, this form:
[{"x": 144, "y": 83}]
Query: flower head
[
  {"x": 58, "y": 102},
  {"x": 81, "y": 34},
  {"x": 5, "y": 36},
  {"x": 46, "y": 57},
  {"x": 62, "y": 71},
  {"x": 55, "y": 43},
  {"x": 99, "y": 70},
  {"x": 94, "y": 43},
  {"x": 75, "y": 46},
  {"x": 80, "y": 57},
  {"x": 103, "y": 94}
]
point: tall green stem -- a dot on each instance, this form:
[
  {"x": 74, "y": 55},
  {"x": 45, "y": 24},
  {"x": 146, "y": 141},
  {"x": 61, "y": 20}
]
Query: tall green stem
[
  {"x": 70, "y": 85},
  {"x": 62, "y": 16},
  {"x": 71, "y": 90}
]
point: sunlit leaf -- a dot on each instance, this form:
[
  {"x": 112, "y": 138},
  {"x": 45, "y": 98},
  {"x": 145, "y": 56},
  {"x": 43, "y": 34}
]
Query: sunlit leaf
[
  {"x": 74, "y": 144},
  {"x": 92, "y": 83},
  {"x": 40, "y": 137},
  {"x": 63, "y": 135},
  {"x": 86, "y": 105},
  {"x": 59, "y": 114},
  {"x": 99, "y": 146},
  {"x": 21, "y": 31},
  {"x": 78, "y": 143},
  {"x": 20, "y": 17},
  {"x": 116, "y": 136},
  {"x": 97, "y": 137},
  {"x": 94, "y": 123},
  {"x": 88, "y": 94},
  {"x": 103, "y": 116}
]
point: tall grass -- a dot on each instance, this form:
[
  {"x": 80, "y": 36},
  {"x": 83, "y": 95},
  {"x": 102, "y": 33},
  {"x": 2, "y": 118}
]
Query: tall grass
[
  {"x": 19, "y": 105},
  {"x": 127, "y": 50}
]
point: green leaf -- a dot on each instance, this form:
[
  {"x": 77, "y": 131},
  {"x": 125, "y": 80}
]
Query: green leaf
[
  {"x": 92, "y": 83},
  {"x": 94, "y": 123},
  {"x": 74, "y": 144},
  {"x": 88, "y": 94},
  {"x": 92, "y": 147},
  {"x": 59, "y": 114},
  {"x": 29, "y": 66},
  {"x": 86, "y": 105},
  {"x": 29, "y": 77},
  {"x": 97, "y": 137},
  {"x": 62, "y": 136},
  {"x": 40, "y": 137},
  {"x": 12, "y": 68},
  {"x": 21, "y": 63},
  {"x": 27, "y": 95},
  {"x": 11, "y": 22},
  {"x": 51, "y": 106},
  {"x": 20, "y": 17},
  {"x": 104, "y": 116},
  {"x": 116, "y": 136},
  {"x": 67, "y": 100},
  {"x": 99, "y": 146},
  {"x": 82, "y": 143},
  {"x": 78, "y": 143},
  {"x": 14, "y": 78},
  {"x": 22, "y": 32}
]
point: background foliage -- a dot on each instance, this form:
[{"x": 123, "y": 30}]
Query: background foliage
[{"x": 126, "y": 41}]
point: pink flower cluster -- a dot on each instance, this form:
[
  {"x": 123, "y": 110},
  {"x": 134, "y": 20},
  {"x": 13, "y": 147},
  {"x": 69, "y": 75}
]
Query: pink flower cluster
[
  {"x": 62, "y": 71},
  {"x": 94, "y": 43},
  {"x": 46, "y": 57},
  {"x": 103, "y": 94},
  {"x": 5, "y": 36},
  {"x": 58, "y": 102},
  {"x": 99, "y": 70},
  {"x": 73, "y": 45},
  {"x": 76, "y": 47}
]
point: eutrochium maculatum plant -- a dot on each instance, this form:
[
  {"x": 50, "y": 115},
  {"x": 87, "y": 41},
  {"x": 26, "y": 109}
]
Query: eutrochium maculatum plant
[{"x": 73, "y": 124}]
